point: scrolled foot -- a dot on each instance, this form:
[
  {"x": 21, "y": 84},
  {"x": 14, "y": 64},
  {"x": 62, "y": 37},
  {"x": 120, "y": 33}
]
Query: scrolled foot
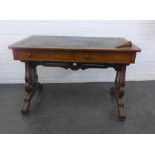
[
  {"x": 121, "y": 111},
  {"x": 25, "y": 107},
  {"x": 121, "y": 115}
]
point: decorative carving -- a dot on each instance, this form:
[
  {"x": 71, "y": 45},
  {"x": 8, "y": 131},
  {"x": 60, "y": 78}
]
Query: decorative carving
[
  {"x": 31, "y": 84},
  {"x": 118, "y": 91},
  {"x": 76, "y": 66}
]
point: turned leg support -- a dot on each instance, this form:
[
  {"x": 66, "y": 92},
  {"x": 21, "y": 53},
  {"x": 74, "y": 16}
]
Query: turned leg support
[
  {"x": 31, "y": 85},
  {"x": 118, "y": 91}
]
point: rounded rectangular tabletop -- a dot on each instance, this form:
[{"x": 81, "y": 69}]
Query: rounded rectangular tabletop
[{"x": 74, "y": 43}]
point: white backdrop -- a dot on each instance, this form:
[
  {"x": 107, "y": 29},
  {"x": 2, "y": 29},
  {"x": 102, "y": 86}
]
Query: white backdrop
[{"x": 142, "y": 33}]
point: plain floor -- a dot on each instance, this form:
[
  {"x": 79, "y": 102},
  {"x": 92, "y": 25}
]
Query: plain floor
[{"x": 78, "y": 108}]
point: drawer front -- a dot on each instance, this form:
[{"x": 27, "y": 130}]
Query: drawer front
[
  {"x": 107, "y": 57},
  {"x": 64, "y": 56},
  {"x": 43, "y": 56}
]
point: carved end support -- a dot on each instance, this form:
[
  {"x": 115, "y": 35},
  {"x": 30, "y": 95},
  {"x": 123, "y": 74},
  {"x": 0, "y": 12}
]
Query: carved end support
[
  {"x": 118, "y": 91},
  {"x": 31, "y": 85}
]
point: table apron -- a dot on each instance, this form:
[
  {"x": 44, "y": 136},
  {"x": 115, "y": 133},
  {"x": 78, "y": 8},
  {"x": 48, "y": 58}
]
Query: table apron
[{"x": 67, "y": 56}]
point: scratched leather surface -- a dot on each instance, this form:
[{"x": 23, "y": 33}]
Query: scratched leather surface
[{"x": 69, "y": 42}]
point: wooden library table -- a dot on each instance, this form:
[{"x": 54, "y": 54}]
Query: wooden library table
[{"x": 75, "y": 53}]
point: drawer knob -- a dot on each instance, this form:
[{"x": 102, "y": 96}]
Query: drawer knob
[
  {"x": 74, "y": 64},
  {"x": 29, "y": 54},
  {"x": 87, "y": 56}
]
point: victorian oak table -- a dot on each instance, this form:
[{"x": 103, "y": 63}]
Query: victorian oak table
[{"x": 75, "y": 53}]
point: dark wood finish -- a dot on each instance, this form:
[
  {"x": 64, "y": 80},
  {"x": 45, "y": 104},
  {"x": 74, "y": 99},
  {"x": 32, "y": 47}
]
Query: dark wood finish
[
  {"x": 65, "y": 56},
  {"x": 31, "y": 84},
  {"x": 118, "y": 90},
  {"x": 75, "y": 53}
]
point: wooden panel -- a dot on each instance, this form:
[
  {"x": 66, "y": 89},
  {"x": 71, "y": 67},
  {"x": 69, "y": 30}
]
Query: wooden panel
[
  {"x": 107, "y": 57},
  {"x": 43, "y": 56},
  {"x": 87, "y": 57}
]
